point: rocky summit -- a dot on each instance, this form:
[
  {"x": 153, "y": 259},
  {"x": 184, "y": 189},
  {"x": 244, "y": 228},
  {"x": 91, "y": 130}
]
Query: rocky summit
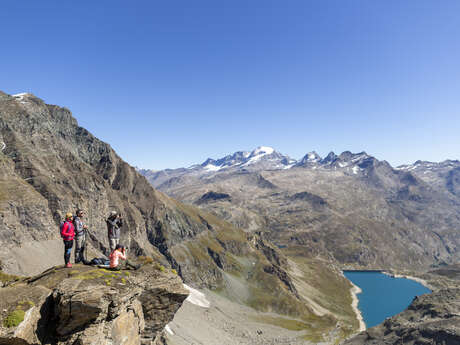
[{"x": 90, "y": 305}]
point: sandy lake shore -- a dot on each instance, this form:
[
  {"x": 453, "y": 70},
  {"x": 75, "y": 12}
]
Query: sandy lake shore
[{"x": 355, "y": 290}]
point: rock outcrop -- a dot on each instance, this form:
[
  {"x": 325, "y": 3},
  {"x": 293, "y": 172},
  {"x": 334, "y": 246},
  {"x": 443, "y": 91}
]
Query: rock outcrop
[{"x": 89, "y": 305}]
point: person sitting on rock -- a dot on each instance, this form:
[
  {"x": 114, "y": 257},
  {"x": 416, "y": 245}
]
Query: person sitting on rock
[
  {"x": 120, "y": 253},
  {"x": 114, "y": 223},
  {"x": 67, "y": 234}
]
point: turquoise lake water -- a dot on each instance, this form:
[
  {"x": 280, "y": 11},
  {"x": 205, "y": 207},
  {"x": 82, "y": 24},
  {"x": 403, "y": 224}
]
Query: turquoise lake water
[{"x": 383, "y": 296}]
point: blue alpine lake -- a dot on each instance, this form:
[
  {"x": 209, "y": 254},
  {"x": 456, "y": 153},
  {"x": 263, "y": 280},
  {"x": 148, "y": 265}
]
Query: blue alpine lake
[{"x": 383, "y": 296}]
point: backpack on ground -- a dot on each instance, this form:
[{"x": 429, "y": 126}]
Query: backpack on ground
[{"x": 100, "y": 261}]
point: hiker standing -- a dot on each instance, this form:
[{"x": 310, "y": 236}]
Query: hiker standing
[
  {"x": 68, "y": 234},
  {"x": 114, "y": 223},
  {"x": 80, "y": 236}
]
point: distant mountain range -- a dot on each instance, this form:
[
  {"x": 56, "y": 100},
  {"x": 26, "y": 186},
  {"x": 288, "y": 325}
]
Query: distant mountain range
[
  {"x": 267, "y": 158},
  {"x": 353, "y": 207}
]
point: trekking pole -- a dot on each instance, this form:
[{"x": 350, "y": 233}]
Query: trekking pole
[{"x": 84, "y": 245}]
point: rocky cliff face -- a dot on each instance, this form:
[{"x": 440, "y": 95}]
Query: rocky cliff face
[{"x": 88, "y": 305}]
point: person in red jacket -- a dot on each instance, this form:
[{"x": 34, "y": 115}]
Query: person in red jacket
[{"x": 68, "y": 234}]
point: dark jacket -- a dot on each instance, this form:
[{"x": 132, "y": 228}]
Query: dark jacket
[
  {"x": 78, "y": 223},
  {"x": 113, "y": 227}
]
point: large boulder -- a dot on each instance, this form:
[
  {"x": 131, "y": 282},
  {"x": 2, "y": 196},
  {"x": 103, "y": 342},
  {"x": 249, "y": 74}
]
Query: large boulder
[{"x": 89, "y": 305}]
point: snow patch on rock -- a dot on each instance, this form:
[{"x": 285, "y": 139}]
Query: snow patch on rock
[
  {"x": 196, "y": 297},
  {"x": 211, "y": 167},
  {"x": 169, "y": 330}
]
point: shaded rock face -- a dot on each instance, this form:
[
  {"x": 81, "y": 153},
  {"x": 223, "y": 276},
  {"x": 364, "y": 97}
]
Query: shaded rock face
[
  {"x": 213, "y": 196},
  {"x": 430, "y": 319},
  {"x": 87, "y": 305}
]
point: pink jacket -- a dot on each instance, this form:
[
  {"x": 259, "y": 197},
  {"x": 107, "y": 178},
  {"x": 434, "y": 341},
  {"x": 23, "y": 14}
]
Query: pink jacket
[
  {"x": 115, "y": 256},
  {"x": 68, "y": 231}
]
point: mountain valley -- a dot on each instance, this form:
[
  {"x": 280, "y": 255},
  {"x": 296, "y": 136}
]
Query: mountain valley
[
  {"x": 50, "y": 165},
  {"x": 351, "y": 208}
]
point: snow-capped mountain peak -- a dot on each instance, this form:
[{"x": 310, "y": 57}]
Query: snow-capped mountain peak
[
  {"x": 262, "y": 150},
  {"x": 310, "y": 158},
  {"x": 262, "y": 155}
]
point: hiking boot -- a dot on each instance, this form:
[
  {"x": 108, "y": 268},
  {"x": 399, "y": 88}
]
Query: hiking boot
[{"x": 68, "y": 265}]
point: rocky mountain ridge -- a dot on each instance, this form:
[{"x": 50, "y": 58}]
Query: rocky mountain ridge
[
  {"x": 260, "y": 159},
  {"x": 352, "y": 208}
]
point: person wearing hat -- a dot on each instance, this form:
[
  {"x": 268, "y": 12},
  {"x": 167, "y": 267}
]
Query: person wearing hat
[
  {"x": 80, "y": 236},
  {"x": 68, "y": 234},
  {"x": 114, "y": 223}
]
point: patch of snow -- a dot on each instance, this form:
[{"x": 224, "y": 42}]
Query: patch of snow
[
  {"x": 359, "y": 157},
  {"x": 342, "y": 165},
  {"x": 257, "y": 154},
  {"x": 196, "y": 297},
  {"x": 289, "y": 166},
  {"x": 211, "y": 167},
  {"x": 355, "y": 170},
  {"x": 20, "y": 95},
  {"x": 313, "y": 157},
  {"x": 169, "y": 330},
  {"x": 3, "y": 146},
  {"x": 253, "y": 160},
  {"x": 266, "y": 150}
]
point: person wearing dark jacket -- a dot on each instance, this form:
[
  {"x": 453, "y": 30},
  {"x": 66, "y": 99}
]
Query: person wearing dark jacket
[
  {"x": 114, "y": 223},
  {"x": 80, "y": 236},
  {"x": 68, "y": 234}
]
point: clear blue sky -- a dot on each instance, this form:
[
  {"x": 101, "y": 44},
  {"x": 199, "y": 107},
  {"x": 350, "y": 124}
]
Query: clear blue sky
[{"x": 170, "y": 83}]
